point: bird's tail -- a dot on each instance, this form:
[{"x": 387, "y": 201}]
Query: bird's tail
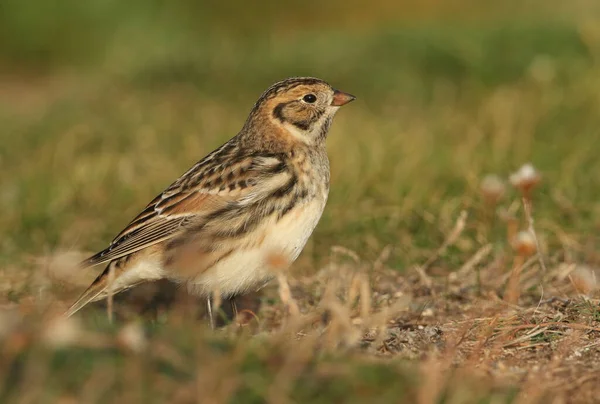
[{"x": 106, "y": 283}]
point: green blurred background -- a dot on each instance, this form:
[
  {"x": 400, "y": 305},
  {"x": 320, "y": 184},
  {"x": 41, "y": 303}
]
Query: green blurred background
[{"x": 103, "y": 103}]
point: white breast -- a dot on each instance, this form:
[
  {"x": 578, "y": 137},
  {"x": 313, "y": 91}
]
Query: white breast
[{"x": 250, "y": 268}]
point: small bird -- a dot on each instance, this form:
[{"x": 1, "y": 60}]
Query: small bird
[{"x": 254, "y": 201}]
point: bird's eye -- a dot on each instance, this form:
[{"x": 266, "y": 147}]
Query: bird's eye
[{"x": 309, "y": 98}]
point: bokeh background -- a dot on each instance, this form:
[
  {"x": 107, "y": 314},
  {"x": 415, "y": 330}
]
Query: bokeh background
[{"x": 103, "y": 103}]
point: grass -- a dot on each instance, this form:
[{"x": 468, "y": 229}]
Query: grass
[{"x": 95, "y": 122}]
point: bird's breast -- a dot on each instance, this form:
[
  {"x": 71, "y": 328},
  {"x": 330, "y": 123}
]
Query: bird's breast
[{"x": 271, "y": 247}]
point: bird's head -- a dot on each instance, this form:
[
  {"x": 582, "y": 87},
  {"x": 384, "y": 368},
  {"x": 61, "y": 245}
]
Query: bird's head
[{"x": 299, "y": 107}]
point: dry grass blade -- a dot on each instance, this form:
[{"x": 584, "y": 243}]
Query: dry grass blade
[
  {"x": 450, "y": 239},
  {"x": 529, "y": 215},
  {"x": 477, "y": 258},
  {"x": 286, "y": 296}
]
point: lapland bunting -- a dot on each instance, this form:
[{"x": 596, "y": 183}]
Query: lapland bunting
[{"x": 254, "y": 200}]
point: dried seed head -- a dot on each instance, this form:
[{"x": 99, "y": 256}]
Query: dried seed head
[
  {"x": 492, "y": 188},
  {"x": 61, "y": 332},
  {"x": 132, "y": 337},
  {"x": 584, "y": 280},
  {"x": 428, "y": 312},
  {"x": 525, "y": 178},
  {"x": 524, "y": 243}
]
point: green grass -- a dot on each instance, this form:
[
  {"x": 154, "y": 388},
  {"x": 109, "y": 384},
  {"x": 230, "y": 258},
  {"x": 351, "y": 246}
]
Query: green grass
[
  {"x": 438, "y": 105},
  {"x": 102, "y": 108}
]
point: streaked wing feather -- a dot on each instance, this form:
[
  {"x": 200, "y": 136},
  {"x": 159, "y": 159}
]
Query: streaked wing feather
[
  {"x": 142, "y": 237},
  {"x": 210, "y": 185}
]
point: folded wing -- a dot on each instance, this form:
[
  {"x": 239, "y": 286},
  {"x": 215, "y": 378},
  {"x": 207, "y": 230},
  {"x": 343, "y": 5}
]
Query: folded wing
[{"x": 218, "y": 182}]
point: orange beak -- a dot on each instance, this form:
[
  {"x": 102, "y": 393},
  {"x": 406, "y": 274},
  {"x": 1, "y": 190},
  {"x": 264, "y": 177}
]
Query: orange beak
[{"x": 341, "y": 98}]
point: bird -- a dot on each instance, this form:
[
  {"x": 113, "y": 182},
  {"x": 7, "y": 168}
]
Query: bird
[{"x": 253, "y": 201}]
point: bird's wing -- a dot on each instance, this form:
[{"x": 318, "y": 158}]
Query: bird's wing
[{"x": 221, "y": 180}]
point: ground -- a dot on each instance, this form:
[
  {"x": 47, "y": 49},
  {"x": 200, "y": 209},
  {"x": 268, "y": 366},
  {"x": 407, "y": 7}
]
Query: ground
[{"x": 432, "y": 277}]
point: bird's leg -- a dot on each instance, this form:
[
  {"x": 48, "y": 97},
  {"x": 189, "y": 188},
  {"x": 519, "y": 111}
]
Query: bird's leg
[
  {"x": 210, "y": 312},
  {"x": 234, "y": 310}
]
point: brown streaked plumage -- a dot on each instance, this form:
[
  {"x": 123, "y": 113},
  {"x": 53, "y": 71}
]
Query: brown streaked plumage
[{"x": 258, "y": 196}]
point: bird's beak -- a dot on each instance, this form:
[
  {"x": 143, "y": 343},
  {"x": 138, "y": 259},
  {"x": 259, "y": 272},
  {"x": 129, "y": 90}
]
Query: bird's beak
[{"x": 341, "y": 98}]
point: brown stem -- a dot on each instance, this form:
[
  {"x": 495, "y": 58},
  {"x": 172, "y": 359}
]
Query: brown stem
[{"x": 513, "y": 290}]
